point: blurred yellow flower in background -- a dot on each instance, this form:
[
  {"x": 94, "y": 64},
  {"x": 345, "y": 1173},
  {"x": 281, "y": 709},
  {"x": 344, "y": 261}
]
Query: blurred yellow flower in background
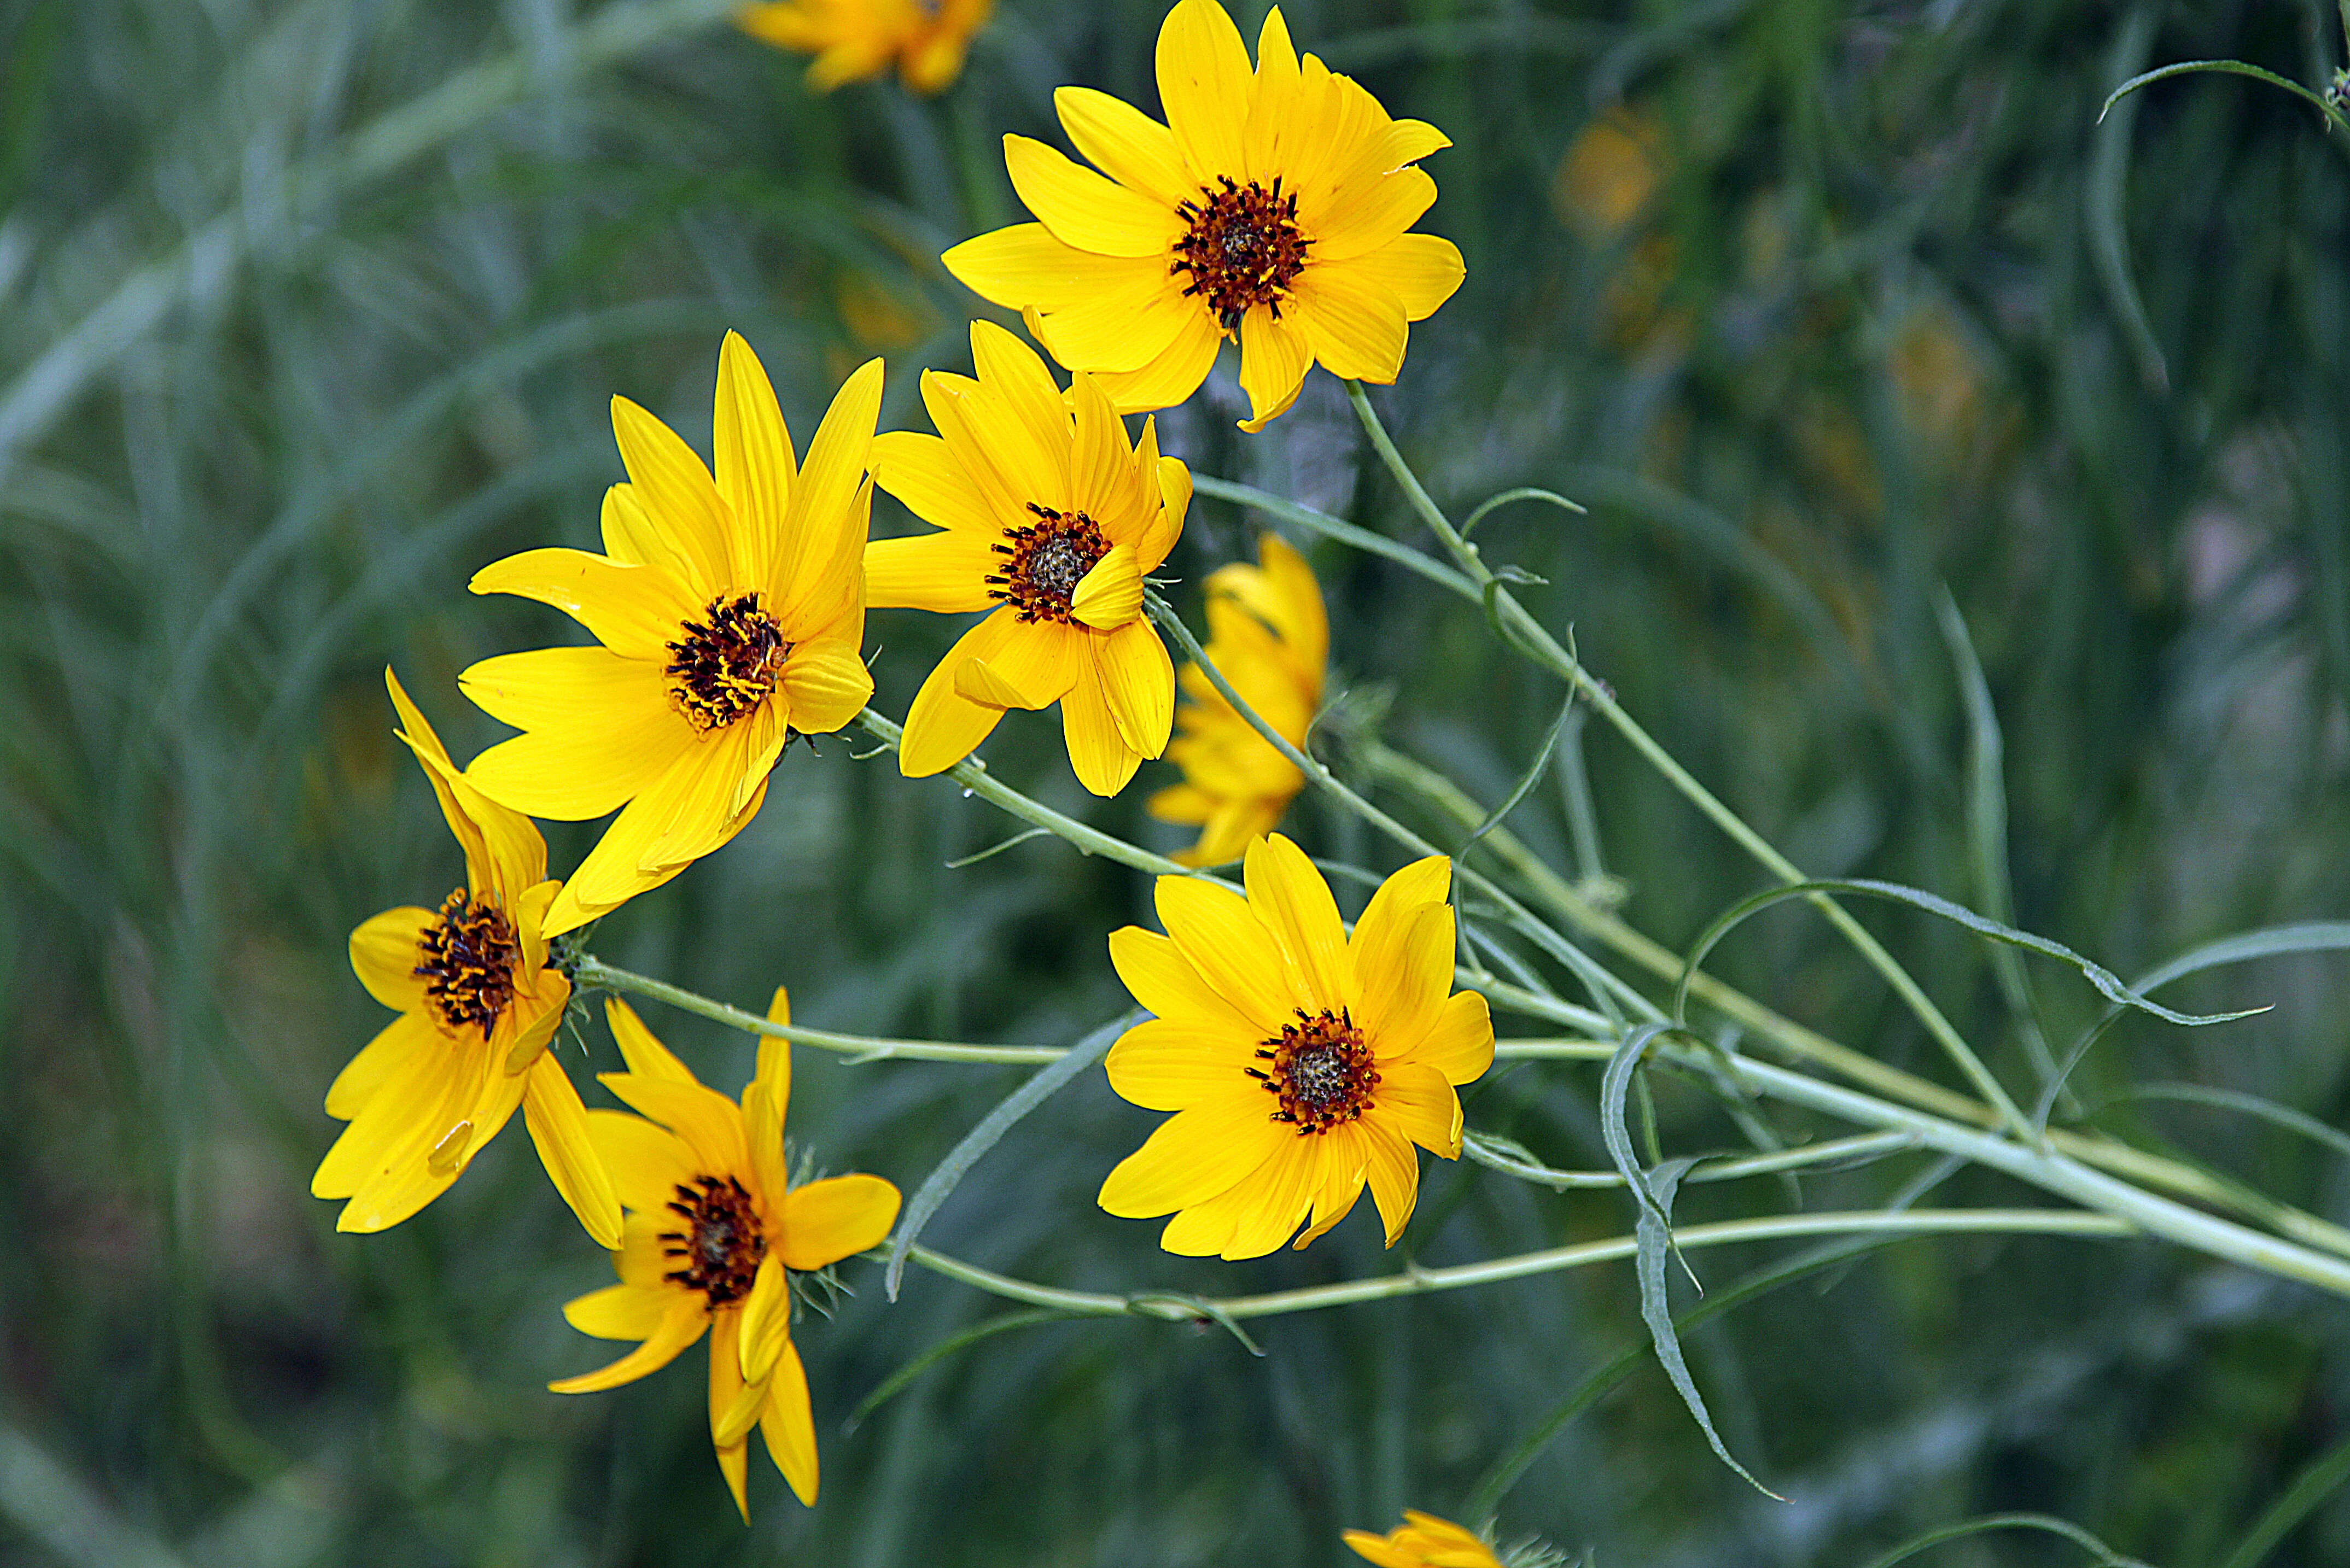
[
  {"x": 1300, "y": 1064},
  {"x": 477, "y": 1006},
  {"x": 729, "y": 613},
  {"x": 1269, "y": 636},
  {"x": 853, "y": 39},
  {"x": 715, "y": 1231},
  {"x": 1423, "y": 1540},
  {"x": 1271, "y": 207},
  {"x": 1051, "y": 514}
]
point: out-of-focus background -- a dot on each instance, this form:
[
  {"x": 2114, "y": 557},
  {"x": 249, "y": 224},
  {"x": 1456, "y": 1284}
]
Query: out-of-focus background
[{"x": 310, "y": 307}]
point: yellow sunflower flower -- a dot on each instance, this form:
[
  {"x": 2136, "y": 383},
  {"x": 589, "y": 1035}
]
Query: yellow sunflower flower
[
  {"x": 714, "y": 1233},
  {"x": 477, "y": 1005},
  {"x": 1271, "y": 207},
  {"x": 729, "y": 613},
  {"x": 1050, "y": 514},
  {"x": 853, "y": 39},
  {"x": 1423, "y": 1540},
  {"x": 1268, "y": 635},
  {"x": 1300, "y": 1064}
]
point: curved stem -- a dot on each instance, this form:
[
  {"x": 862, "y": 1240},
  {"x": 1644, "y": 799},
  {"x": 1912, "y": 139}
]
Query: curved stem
[
  {"x": 1520, "y": 627},
  {"x": 1418, "y": 1282},
  {"x": 594, "y": 971}
]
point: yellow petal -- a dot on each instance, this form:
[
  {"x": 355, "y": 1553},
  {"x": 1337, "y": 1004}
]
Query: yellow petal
[
  {"x": 1110, "y": 596},
  {"x": 1173, "y": 1063},
  {"x": 631, "y": 540},
  {"x": 1418, "y": 272},
  {"x": 1034, "y": 668},
  {"x": 999, "y": 458},
  {"x": 836, "y": 1217},
  {"x": 1271, "y": 1203},
  {"x": 1137, "y": 681},
  {"x": 1018, "y": 383},
  {"x": 1163, "y": 981},
  {"x": 1277, "y": 128},
  {"x": 920, "y": 470},
  {"x": 1290, "y": 896},
  {"x": 600, "y": 728},
  {"x": 648, "y": 1163},
  {"x": 681, "y": 816},
  {"x": 1274, "y": 357},
  {"x": 632, "y": 609},
  {"x": 1460, "y": 1044},
  {"x": 1404, "y": 974},
  {"x": 1132, "y": 313},
  {"x": 766, "y": 1329},
  {"x": 392, "y": 1053},
  {"x": 725, "y": 1387},
  {"x": 825, "y": 683},
  {"x": 751, "y": 451},
  {"x": 946, "y": 573},
  {"x": 679, "y": 1327},
  {"x": 1417, "y": 1102},
  {"x": 1394, "y": 1175},
  {"x": 1206, "y": 87},
  {"x": 647, "y": 1057},
  {"x": 823, "y": 527},
  {"x": 1173, "y": 374},
  {"x": 1370, "y": 214},
  {"x": 384, "y": 953},
  {"x": 1344, "y": 1165},
  {"x": 681, "y": 501},
  {"x": 789, "y": 1428},
  {"x": 1175, "y": 491},
  {"x": 1355, "y": 327},
  {"x": 1104, "y": 480},
  {"x": 775, "y": 1060},
  {"x": 1375, "y": 1548},
  {"x": 943, "y": 727},
  {"x": 1222, "y": 937},
  {"x": 1398, "y": 900},
  {"x": 503, "y": 852},
  {"x": 620, "y": 1311},
  {"x": 1086, "y": 210},
  {"x": 1025, "y": 264},
  {"x": 1099, "y": 754},
  {"x": 709, "y": 1123},
  {"x": 558, "y": 1127},
  {"x": 1196, "y": 1154},
  {"x": 1126, "y": 144}
]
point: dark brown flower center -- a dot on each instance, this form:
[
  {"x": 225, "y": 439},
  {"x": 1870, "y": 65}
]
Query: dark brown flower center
[
  {"x": 727, "y": 665},
  {"x": 720, "y": 1246},
  {"x": 467, "y": 961},
  {"x": 1242, "y": 248},
  {"x": 1321, "y": 1071},
  {"x": 1049, "y": 559}
]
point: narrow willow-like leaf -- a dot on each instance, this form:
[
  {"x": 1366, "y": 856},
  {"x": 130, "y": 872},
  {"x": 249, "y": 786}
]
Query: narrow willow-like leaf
[
  {"x": 1523, "y": 493},
  {"x": 2108, "y": 984},
  {"x": 2107, "y": 1557},
  {"x": 2267, "y": 1110},
  {"x": 2319, "y": 1478},
  {"x": 1526, "y": 784},
  {"x": 1334, "y": 528},
  {"x": 975, "y": 1143},
  {"x": 895, "y": 1383},
  {"x": 2334, "y": 116},
  {"x": 1614, "y": 1084},
  {"x": 1654, "y": 1234},
  {"x": 2108, "y": 181}
]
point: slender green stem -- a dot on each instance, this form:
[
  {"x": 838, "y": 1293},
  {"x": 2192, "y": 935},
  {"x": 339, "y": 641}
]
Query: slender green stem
[
  {"x": 594, "y": 971},
  {"x": 1867, "y": 1146},
  {"x": 1554, "y": 1050},
  {"x": 1493, "y": 1270},
  {"x": 1520, "y": 627}
]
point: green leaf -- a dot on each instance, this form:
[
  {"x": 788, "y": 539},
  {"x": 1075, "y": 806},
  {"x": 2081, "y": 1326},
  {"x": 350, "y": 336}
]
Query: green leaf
[
  {"x": 2107, "y": 1557},
  {"x": 2334, "y": 116},
  {"x": 2319, "y": 1478},
  {"x": 1523, "y": 493},
  {"x": 891, "y": 1385}
]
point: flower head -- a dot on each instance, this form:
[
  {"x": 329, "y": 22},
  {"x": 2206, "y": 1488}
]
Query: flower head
[
  {"x": 1267, "y": 635},
  {"x": 714, "y": 1234},
  {"x": 729, "y": 612},
  {"x": 477, "y": 1005},
  {"x": 1271, "y": 207},
  {"x": 1052, "y": 517},
  {"x": 1300, "y": 1064},
  {"x": 853, "y": 39},
  {"x": 1423, "y": 1540}
]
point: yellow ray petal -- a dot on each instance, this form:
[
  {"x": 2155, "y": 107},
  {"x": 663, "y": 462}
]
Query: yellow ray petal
[
  {"x": 391, "y": 1055},
  {"x": 647, "y": 1057},
  {"x": 725, "y": 1385},
  {"x": 1416, "y": 1101},
  {"x": 824, "y": 684},
  {"x": 946, "y": 573},
  {"x": 681, "y": 501},
  {"x": 943, "y": 726},
  {"x": 1222, "y": 937},
  {"x": 1099, "y": 754},
  {"x": 1275, "y": 358},
  {"x": 1290, "y": 896},
  {"x": 1206, "y": 87},
  {"x": 1460, "y": 1043},
  {"x": 1196, "y": 1154},
  {"x": 600, "y": 729},
  {"x": 1104, "y": 481},
  {"x": 1398, "y": 898},
  {"x": 1086, "y": 210},
  {"x": 773, "y": 1067},
  {"x": 1370, "y": 214},
  {"x": 1418, "y": 272},
  {"x": 1281, "y": 1197},
  {"x": 1354, "y": 328},
  {"x": 620, "y": 1311},
  {"x": 1034, "y": 668},
  {"x": 753, "y": 461},
  {"x": 1025, "y": 264},
  {"x": 823, "y": 527},
  {"x": 709, "y": 1123},
  {"x": 1126, "y": 144},
  {"x": 680, "y": 1327},
  {"x": 503, "y": 852},
  {"x": 634, "y": 610},
  {"x": 959, "y": 408},
  {"x": 1172, "y": 375},
  {"x": 1173, "y": 1063},
  {"x": 631, "y": 540},
  {"x": 789, "y": 1427},
  {"x": 384, "y": 954},
  {"x": 1277, "y": 130},
  {"x": 1375, "y": 1549},
  {"x": 1344, "y": 1165},
  {"x": 766, "y": 1327},
  {"x": 920, "y": 470},
  {"x": 1163, "y": 980},
  {"x": 1133, "y": 313},
  {"x": 680, "y": 816},
  {"x": 421, "y": 1094},
  {"x": 1109, "y": 597},
  {"x": 1394, "y": 1173},
  {"x": 558, "y": 1127},
  {"x": 836, "y": 1217},
  {"x": 1138, "y": 681},
  {"x": 648, "y": 1163},
  {"x": 1404, "y": 972},
  {"x": 1017, "y": 379},
  {"x": 1175, "y": 491}
]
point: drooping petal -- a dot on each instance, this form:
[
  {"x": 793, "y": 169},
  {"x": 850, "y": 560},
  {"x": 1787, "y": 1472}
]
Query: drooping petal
[
  {"x": 766, "y": 1328},
  {"x": 1274, "y": 357},
  {"x": 1173, "y": 1063},
  {"x": 1110, "y": 595},
  {"x": 679, "y": 1327},
  {"x": 1173, "y": 374},
  {"x": 943, "y": 727},
  {"x": 1086, "y": 210},
  {"x": 634, "y": 610},
  {"x": 825, "y": 683},
  {"x": 1036, "y": 664},
  {"x": 393, "y": 1054},
  {"x": 1138, "y": 679},
  {"x": 1126, "y": 144},
  {"x": 1098, "y": 753},
  {"x": 836, "y": 1217},
  {"x": 1206, "y": 85},
  {"x": 1195, "y": 1154},
  {"x": 384, "y": 953},
  {"x": 789, "y": 1427},
  {"x": 753, "y": 458},
  {"x": 1394, "y": 1174},
  {"x": 620, "y": 1311},
  {"x": 1290, "y": 896},
  {"x": 1460, "y": 1043},
  {"x": 558, "y": 1127},
  {"x": 680, "y": 500}
]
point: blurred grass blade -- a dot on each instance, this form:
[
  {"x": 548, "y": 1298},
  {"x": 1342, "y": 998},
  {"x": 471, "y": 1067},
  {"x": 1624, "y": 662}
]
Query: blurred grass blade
[
  {"x": 2267, "y": 1110},
  {"x": 2319, "y": 1479},
  {"x": 2096, "y": 974},
  {"x": 941, "y": 1182},
  {"x": 2107, "y": 1557},
  {"x": 891, "y": 1385},
  {"x": 1523, "y": 493},
  {"x": 2108, "y": 197}
]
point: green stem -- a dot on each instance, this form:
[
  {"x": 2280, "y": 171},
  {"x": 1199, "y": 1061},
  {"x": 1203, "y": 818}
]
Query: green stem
[
  {"x": 1493, "y": 1270},
  {"x": 1867, "y": 1146},
  {"x": 1520, "y": 627},
  {"x": 594, "y": 971}
]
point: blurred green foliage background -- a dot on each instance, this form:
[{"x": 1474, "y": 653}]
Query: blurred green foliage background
[{"x": 310, "y": 307}]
